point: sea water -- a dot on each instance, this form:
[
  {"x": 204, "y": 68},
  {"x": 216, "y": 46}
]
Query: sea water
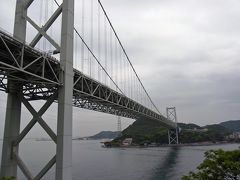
[{"x": 93, "y": 162}]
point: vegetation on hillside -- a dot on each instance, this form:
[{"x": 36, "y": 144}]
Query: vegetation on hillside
[
  {"x": 214, "y": 133},
  {"x": 188, "y": 126},
  {"x": 105, "y": 135},
  {"x": 233, "y": 125},
  {"x": 218, "y": 165},
  {"x": 144, "y": 131},
  {"x": 7, "y": 178}
]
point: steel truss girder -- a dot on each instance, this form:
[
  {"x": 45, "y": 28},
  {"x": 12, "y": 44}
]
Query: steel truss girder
[
  {"x": 37, "y": 117},
  {"x": 39, "y": 74},
  {"x": 101, "y": 98},
  {"x": 23, "y": 63},
  {"x": 3, "y": 82}
]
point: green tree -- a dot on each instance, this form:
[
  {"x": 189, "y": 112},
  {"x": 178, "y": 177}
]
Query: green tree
[{"x": 217, "y": 165}]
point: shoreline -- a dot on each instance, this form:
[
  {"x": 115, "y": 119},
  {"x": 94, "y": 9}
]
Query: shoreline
[
  {"x": 198, "y": 144},
  {"x": 176, "y": 145}
]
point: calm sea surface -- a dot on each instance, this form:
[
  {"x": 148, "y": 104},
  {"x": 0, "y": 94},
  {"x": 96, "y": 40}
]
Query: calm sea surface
[{"x": 92, "y": 162}]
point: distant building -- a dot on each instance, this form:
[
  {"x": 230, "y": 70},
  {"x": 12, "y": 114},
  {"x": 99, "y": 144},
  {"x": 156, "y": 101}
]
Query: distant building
[
  {"x": 200, "y": 130},
  {"x": 234, "y": 136},
  {"x": 127, "y": 142},
  {"x": 197, "y": 130}
]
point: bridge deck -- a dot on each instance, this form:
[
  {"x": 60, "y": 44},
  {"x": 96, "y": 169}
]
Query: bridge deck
[{"x": 38, "y": 72}]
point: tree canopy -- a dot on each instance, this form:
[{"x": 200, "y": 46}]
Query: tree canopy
[{"x": 217, "y": 165}]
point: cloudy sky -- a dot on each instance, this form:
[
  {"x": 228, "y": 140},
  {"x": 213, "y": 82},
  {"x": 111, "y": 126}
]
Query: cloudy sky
[{"x": 186, "y": 53}]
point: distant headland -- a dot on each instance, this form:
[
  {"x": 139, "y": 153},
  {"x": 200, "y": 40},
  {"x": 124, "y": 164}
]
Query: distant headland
[{"x": 151, "y": 133}]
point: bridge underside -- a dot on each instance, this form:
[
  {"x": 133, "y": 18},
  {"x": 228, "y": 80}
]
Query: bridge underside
[{"x": 38, "y": 73}]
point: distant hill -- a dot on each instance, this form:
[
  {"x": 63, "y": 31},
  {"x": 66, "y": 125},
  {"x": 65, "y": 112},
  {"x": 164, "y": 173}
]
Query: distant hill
[
  {"x": 214, "y": 133},
  {"x": 218, "y": 128},
  {"x": 188, "y": 126},
  {"x": 105, "y": 135},
  {"x": 144, "y": 131},
  {"x": 233, "y": 125}
]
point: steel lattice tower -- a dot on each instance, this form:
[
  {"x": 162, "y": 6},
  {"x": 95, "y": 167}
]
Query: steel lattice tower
[{"x": 172, "y": 133}]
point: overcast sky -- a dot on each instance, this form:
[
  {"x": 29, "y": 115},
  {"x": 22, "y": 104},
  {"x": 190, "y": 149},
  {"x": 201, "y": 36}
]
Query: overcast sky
[{"x": 186, "y": 53}]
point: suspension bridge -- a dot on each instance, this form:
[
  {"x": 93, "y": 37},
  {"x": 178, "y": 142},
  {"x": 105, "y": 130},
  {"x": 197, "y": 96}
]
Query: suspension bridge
[{"x": 69, "y": 53}]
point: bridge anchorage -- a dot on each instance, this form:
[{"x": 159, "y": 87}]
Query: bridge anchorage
[{"x": 28, "y": 74}]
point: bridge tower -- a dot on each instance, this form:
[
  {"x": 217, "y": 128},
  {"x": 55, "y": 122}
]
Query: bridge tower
[
  {"x": 63, "y": 139},
  {"x": 172, "y": 133}
]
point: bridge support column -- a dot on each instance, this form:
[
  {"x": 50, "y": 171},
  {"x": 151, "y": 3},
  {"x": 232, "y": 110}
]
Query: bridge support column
[
  {"x": 13, "y": 110},
  {"x": 11, "y": 131},
  {"x": 65, "y": 94},
  {"x": 172, "y": 133}
]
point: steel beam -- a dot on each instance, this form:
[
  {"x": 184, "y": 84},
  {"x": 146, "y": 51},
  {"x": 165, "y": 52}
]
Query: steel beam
[
  {"x": 43, "y": 33},
  {"x": 23, "y": 167},
  {"x": 45, "y": 28},
  {"x": 28, "y": 3},
  {"x": 46, "y": 168}
]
